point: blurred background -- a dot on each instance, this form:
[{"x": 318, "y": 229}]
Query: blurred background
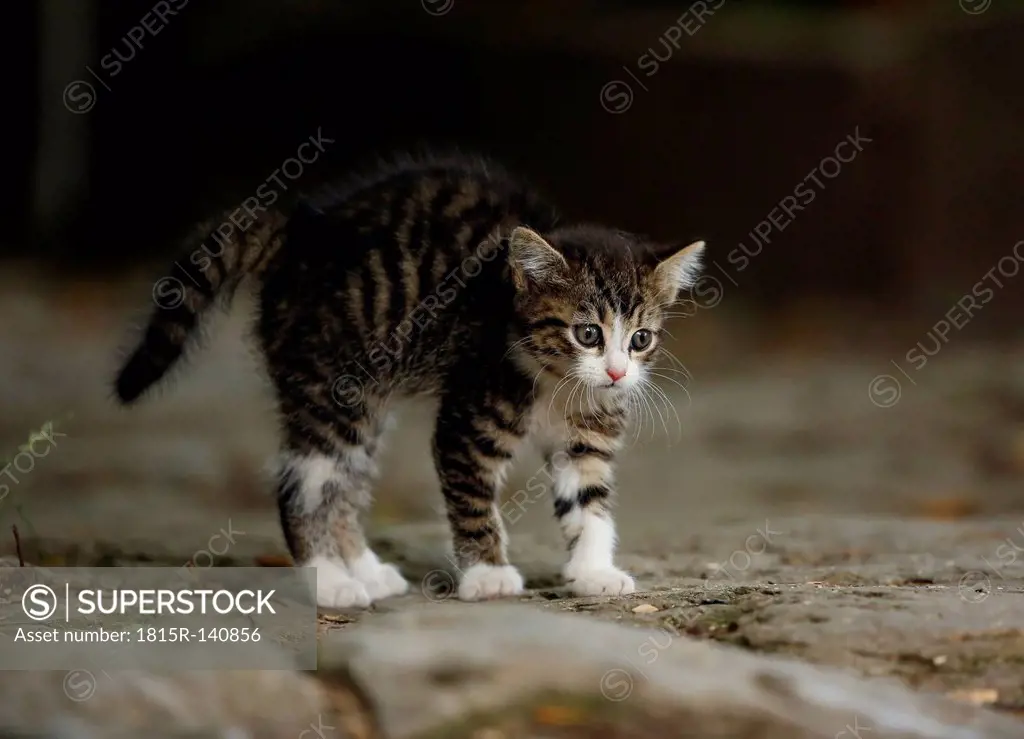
[{"x": 855, "y": 167}]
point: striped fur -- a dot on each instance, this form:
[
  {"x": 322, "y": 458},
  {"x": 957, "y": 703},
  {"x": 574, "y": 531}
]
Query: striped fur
[
  {"x": 221, "y": 254},
  {"x": 447, "y": 277}
]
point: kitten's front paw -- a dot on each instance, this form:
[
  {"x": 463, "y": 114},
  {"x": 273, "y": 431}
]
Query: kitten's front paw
[
  {"x": 335, "y": 588},
  {"x": 603, "y": 581},
  {"x": 483, "y": 581},
  {"x": 380, "y": 580}
]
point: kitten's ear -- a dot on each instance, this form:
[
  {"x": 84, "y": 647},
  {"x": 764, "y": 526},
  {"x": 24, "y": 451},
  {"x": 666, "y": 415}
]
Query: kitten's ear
[
  {"x": 679, "y": 271},
  {"x": 532, "y": 258}
]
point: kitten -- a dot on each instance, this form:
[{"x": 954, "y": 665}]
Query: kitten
[{"x": 447, "y": 277}]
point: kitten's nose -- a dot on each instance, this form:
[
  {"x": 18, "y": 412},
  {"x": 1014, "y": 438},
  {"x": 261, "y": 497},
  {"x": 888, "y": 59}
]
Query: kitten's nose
[{"x": 615, "y": 374}]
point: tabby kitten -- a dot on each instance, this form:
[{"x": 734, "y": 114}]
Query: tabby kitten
[{"x": 447, "y": 277}]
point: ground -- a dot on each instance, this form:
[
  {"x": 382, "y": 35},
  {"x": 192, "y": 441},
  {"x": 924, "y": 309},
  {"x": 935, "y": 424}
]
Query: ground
[{"x": 795, "y": 509}]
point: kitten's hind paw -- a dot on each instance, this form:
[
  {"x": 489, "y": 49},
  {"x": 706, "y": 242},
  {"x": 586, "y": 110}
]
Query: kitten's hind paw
[
  {"x": 389, "y": 582},
  {"x": 349, "y": 594},
  {"x": 335, "y": 588},
  {"x": 380, "y": 580},
  {"x": 483, "y": 581},
  {"x": 605, "y": 581}
]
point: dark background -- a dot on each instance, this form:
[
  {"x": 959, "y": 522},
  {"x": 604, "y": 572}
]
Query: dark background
[{"x": 739, "y": 114}]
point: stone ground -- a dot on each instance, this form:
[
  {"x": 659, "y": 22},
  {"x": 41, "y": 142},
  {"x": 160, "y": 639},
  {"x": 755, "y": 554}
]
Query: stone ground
[{"x": 788, "y": 513}]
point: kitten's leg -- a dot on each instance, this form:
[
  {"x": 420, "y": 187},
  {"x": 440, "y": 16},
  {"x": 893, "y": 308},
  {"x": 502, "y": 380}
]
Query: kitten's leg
[
  {"x": 473, "y": 449},
  {"x": 583, "y": 486},
  {"x": 322, "y": 491},
  {"x": 308, "y": 484}
]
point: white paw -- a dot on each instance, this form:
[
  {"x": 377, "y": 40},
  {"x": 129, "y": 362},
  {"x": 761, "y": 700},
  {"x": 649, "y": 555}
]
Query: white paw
[
  {"x": 484, "y": 581},
  {"x": 389, "y": 582},
  {"x": 335, "y": 587},
  {"x": 380, "y": 580},
  {"x": 599, "y": 581}
]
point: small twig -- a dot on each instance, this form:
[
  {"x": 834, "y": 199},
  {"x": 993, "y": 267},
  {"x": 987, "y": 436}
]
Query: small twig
[{"x": 17, "y": 545}]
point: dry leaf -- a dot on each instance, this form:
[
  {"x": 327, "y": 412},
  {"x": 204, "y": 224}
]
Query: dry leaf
[
  {"x": 273, "y": 560},
  {"x": 646, "y": 608},
  {"x": 947, "y": 509},
  {"x": 557, "y": 716},
  {"x": 335, "y": 618},
  {"x": 977, "y": 696}
]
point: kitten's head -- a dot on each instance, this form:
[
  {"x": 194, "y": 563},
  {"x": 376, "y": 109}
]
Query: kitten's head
[{"x": 593, "y": 300}]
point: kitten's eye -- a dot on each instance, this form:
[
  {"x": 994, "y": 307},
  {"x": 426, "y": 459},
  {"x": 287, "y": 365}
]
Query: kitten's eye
[
  {"x": 588, "y": 334},
  {"x": 641, "y": 340}
]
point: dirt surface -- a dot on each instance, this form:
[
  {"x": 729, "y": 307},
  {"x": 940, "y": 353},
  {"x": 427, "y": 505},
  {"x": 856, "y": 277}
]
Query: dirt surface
[{"x": 789, "y": 510}]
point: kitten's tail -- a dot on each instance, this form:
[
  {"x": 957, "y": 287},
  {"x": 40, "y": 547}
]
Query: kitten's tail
[{"x": 220, "y": 254}]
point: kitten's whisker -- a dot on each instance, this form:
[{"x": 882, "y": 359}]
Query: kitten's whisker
[
  {"x": 636, "y": 415},
  {"x": 586, "y": 412},
  {"x": 642, "y": 410},
  {"x": 571, "y": 375},
  {"x": 580, "y": 384},
  {"x": 674, "y": 358},
  {"x": 567, "y": 405},
  {"x": 684, "y": 372},
  {"x": 516, "y": 345},
  {"x": 584, "y": 387},
  {"x": 663, "y": 396},
  {"x": 689, "y": 398},
  {"x": 582, "y": 414},
  {"x": 670, "y": 405},
  {"x": 533, "y": 390},
  {"x": 658, "y": 373},
  {"x": 577, "y": 378},
  {"x": 652, "y": 409}
]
